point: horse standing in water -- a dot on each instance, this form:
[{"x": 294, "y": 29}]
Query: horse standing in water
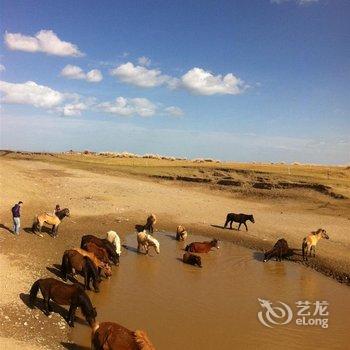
[
  {"x": 113, "y": 336},
  {"x": 202, "y": 247},
  {"x": 113, "y": 237},
  {"x": 280, "y": 250},
  {"x": 144, "y": 240},
  {"x": 310, "y": 241},
  {"x": 50, "y": 219},
  {"x": 240, "y": 218},
  {"x": 103, "y": 243},
  {"x": 99, "y": 252},
  {"x": 64, "y": 294},
  {"x": 181, "y": 233}
]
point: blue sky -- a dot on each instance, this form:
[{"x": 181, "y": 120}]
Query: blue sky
[{"x": 234, "y": 80}]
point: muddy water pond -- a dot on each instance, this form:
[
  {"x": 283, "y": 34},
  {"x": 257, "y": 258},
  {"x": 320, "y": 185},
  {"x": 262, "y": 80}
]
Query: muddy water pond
[{"x": 217, "y": 306}]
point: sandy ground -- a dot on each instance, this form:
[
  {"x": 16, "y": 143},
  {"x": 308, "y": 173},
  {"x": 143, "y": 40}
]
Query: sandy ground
[{"x": 102, "y": 202}]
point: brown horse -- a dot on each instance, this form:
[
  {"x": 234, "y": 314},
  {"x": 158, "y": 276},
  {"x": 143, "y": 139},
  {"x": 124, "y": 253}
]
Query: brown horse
[
  {"x": 310, "y": 241},
  {"x": 73, "y": 262},
  {"x": 192, "y": 259},
  {"x": 63, "y": 294},
  {"x": 100, "y": 265},
  {"x": 102, "y": 243},
  {"x": 240, "y": 218},
  {"x": 50, "y": 219},
  {"x": 100, "y": 252},
  {"x": 151, "y": 220},
  {"x": 112, "y": 336},
  {"x": 202, "y": 247},
  {"x": 181, "y": 233},
  {"x": 280, "y": 250}
]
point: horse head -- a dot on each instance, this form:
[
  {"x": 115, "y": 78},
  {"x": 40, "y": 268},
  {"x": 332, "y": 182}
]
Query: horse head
[
  {"x": 215, "y": 243},
  {"x": 251, "y": 218},
  {"x": 63, "y": 213},
  {"x": 324, "y": 234}
]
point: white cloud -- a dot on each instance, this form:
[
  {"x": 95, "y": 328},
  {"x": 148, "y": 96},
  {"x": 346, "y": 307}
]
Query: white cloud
[
  {"x": 2, "y": 68},
  {"x": 128, "y": 107},
  {"x": 201, "y": 82},
  {"x": 299, "y": 2},
  {"x": 73, "y": 109},
  {"x": 30, "y": 93},
  {"x": 75, "y": 72},
  {"x": 44, "y": 41},
  {"x": 144, "y": 61},
  {"x": 174, "y": 111},
  {"x": 141, "y": 76}
]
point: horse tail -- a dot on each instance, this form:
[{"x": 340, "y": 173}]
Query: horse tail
[
  {"x": 33, "y": 292},
  {"x": 303, "y": 246},
  {"x": 142, "y": 340},
  {"x": 35, "y": 224},
  {"x": 65, "y": 265}
]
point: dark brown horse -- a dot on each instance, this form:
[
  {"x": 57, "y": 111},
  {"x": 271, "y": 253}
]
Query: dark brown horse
[
  {"x": 240, "y": 218},
  {"x": 100, "y": 252},
  {"x": 202, "y": 247},
  {"x": 280, "y": 250},
  {"x": 73, "y": 262},
  {"x": 64, "y": 294},
  {"x": 192, "y": 259},
  {"x": 112, "y": 336},
  {"x": 103, "y": 243}
]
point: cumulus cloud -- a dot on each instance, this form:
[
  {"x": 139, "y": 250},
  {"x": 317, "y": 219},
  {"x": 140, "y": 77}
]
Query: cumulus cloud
[
  {"x": 73, "y": 109},
  {"x": 30, "y": 93},
  {"x": 2, "y": 68},
  {"x": 174, "y": 111},
  {"x": 201, "y": 82},
  {"x": 141, "y": 76},
  {"x": 144, "y": 61},
  {"x": 127, "y": 107},
  {"x": 299, "y": 2},
  {"x": 75, "y": 72},
  {"x": 44, "y": 41}
]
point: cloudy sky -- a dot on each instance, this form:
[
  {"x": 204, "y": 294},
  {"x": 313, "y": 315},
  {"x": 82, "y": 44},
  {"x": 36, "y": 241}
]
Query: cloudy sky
[{"x": 257, "y": 80}]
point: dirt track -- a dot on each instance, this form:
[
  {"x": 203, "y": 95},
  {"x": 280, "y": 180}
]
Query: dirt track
[{"x": 102, "y": 202}]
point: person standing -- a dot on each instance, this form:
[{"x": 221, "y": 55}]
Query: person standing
[{"x": 16, "y": 215}]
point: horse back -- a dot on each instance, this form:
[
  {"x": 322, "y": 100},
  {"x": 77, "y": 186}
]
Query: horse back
[{"x": 60, "y": 292}]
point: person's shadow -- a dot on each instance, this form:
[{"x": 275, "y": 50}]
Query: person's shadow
[{"x": 6, "y": 228}]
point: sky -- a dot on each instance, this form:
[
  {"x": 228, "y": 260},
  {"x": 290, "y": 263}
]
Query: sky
[{"x": 257, "y": 80}]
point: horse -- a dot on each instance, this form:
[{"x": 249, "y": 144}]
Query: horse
[
  {"x": 113, "y": 237},
  {"x": 100, "y": 265},
  {"x": 50, "y": 219},
  {"x": 112, "y": 336},
  {"x": 202, "y": 247},
  {"x": 82, "y": 264},
  {"x": 144, "y": 240},
  {"x": 280, "y": 250},
  {"x": 240, "y": 218},
  {"x": 99, "y": 252},
  {"x": 103, "y": 243},
  {"x": 151, "y": 220},
  {"x": 63, "y": 294},
  {"x": 192, "y": 259},
  {"x": 311, "y": 240},
  {"x": 181, "y": 233}
]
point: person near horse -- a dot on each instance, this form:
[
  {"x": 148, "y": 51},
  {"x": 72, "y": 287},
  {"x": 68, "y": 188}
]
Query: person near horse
[{"x": 16, "y": 215}]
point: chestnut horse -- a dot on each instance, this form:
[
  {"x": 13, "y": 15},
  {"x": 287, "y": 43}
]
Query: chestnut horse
[
  {"x": 100, "y": 265},
  {"x": 63, "y": 294},
  {"x": 310, "y": 241},
  {"x": 202, "y": 247},
  {"x": 50, "y": 219},
  {"x": 112, "y": 336},
  {"x": 102, "y": 243},
  {"x": 73, "y": 262},
  {"x": 99, "y": 252},
  {"x": 280, "y": 250}
]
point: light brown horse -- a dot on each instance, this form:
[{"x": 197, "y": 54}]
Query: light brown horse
[
  {"x": 112, "y": 336},
  {"x": 50, "y": 219},
  {"x": 311, "y": 240},
  {"x": 181, "y": 233},
  {"x": 105, "y": 267},
  {"x": 100, "y": 252},
  {"x": 151, "y": 220}
]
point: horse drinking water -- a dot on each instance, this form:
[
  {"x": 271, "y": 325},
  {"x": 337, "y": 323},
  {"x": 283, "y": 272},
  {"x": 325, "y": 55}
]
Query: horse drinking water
[
  {"x": 202, "y": 247},
  {"x": 280, "y": 250}
]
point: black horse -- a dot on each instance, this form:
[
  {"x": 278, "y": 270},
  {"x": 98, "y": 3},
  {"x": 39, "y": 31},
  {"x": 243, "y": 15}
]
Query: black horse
[
  {"x": 104, "y": 243},
  {"x": 280, "y": 250},
  {"x": 63, "y": 294},
  {"x": 240, "y": 218}
]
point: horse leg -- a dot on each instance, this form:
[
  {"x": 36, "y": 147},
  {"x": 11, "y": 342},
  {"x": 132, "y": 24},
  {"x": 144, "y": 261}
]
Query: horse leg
[
  {"x": 314, "y": 250},
  {"x": 231, "y": 222},
  {"x": 71, "y": 315},
  {"x": 239, "y": 226},
  {"x": 86, "y": 279},
  {"x": 246, "y": 227},
  {"x": 47, "y": 305}
]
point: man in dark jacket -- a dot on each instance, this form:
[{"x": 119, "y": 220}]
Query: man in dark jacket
[{"x": 16, "y": 215}]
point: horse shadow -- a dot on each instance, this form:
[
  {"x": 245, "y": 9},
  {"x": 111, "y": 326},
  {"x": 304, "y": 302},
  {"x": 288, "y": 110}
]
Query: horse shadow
[
  {"x": 179, "y": 259},
  {"x": 44, "y": 229},
  {"x": 40, "y": 304},
  {"x": 171, "y": 237},
  {"x": 73, "y": 346},
  {"x": 6, "y": 228},
  {"x": 130, "y": 248},
  {"x": 224, "y": 228}
]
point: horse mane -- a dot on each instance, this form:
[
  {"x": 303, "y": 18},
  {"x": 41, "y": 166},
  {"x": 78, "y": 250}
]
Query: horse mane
[
  {"x": 142, "y": 340},
  {"x": 62, "y": 213},
  {"x": 317, "y": 231},
  {"x": 85, "y": 303}
]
